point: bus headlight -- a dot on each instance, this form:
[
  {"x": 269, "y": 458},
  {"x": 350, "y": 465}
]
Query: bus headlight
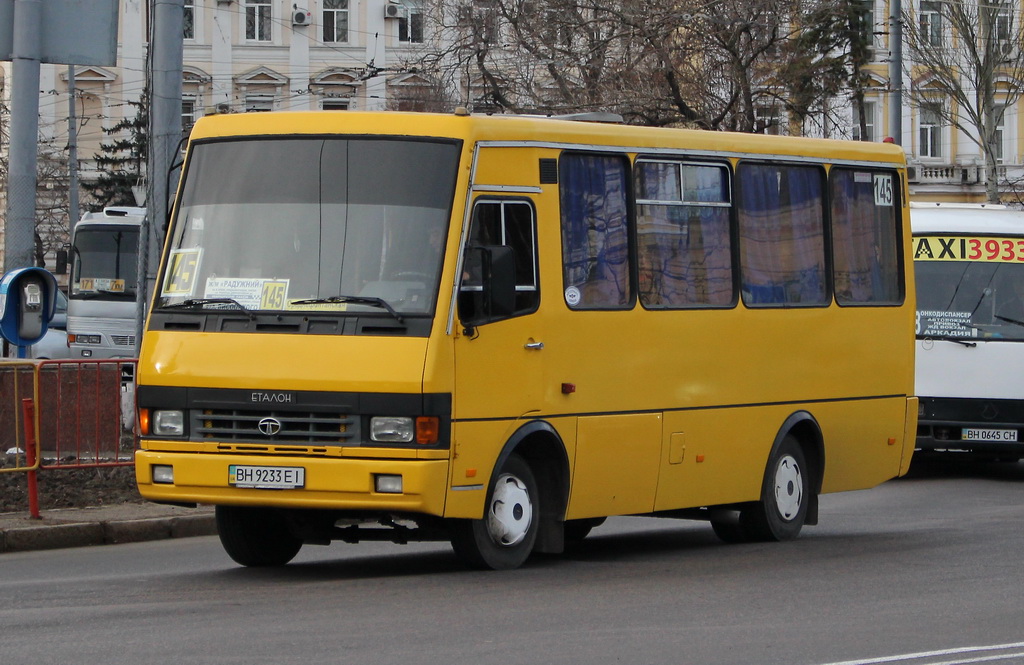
[
  {"x": 168, "y": 423},
  {"x": 391, "y": 429},
  {"x": 84, "y": 339}
]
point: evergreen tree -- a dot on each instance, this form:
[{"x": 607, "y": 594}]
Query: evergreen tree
[{"x": 122, "y": 161}]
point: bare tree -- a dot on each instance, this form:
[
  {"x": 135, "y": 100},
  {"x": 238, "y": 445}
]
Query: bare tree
[
  {"x": 968, "y": 66},
  {"x": 52, "y": 199},
  {"x": 715, "y": 64}
]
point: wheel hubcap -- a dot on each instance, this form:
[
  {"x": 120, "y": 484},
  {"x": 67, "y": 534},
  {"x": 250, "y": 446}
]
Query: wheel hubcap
[
  {"x": 511, "y": 511},
  {"x": 789, "y": 488}
]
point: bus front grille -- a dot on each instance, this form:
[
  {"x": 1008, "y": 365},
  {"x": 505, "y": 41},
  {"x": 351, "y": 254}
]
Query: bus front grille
[
  {"x": 274, "y": 427},
  {"x": 123, "y": 340}
]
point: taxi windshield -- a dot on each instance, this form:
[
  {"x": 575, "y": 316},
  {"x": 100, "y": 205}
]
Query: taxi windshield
[
  {"x": 312, "y": 224},
  {"x": 970, "y": 299}
]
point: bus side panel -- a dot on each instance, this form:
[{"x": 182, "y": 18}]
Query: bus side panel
[
  {"x": 715, "y": 456},
  {"x": 616, "y": 469},
  {"x": 864, "y": 442}
]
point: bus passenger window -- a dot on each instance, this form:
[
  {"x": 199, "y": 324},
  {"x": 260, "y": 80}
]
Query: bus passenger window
[
  {"x": 684, "y": 249},
  {"x": 865, "y": 238},
  {"x": 595, "y": 232},
  {"x": 782, "y": 235},
  {"x": 505, "y": 223}
]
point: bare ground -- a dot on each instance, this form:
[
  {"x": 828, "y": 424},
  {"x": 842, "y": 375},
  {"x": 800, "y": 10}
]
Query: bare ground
[{"x": 67, "y": 488}]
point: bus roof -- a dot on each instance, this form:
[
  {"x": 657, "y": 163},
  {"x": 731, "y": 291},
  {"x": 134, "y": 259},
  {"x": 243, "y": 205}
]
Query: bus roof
[
  {"x": 965, "y": 218},
  {"x": 115, "y": 215},
  {"x": 534, "y": 130}
]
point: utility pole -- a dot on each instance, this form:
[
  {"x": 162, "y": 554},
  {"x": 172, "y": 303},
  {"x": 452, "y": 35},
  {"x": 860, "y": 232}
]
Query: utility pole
[
  {"x": 21, "y": 193},
  {"x": 72, "y": 152},
  {"x": 896, "y": 71},
  {"x": 165, "y": 65}
]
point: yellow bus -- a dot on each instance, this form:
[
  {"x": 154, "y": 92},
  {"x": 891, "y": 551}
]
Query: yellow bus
[{"x": 499, "y": 331}]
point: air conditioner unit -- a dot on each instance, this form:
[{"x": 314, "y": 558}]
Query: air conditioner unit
[
  {"x": 392, "y": 10},
  {"x": 912, "y": 175},
  {"x": 301, "y": 17}
]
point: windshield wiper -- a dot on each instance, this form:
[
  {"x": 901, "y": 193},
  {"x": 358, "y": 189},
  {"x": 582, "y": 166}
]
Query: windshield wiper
[
  {"x": 1008, "y": 320},
  {"x": 355, "y": 300},
  {"x": 195, "y": 303}
]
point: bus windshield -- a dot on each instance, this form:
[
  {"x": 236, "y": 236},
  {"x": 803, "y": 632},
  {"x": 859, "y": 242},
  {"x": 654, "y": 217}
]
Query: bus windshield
[
  {"x": 970, "y": 299},
  {"x": 106, "y": 263},
  {"x": 312, "y": 224}
]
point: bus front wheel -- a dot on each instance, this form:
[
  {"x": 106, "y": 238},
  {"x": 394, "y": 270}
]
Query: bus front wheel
[
  {"x": 256, "y": 536},
  {"x": 504, "y": 538}
]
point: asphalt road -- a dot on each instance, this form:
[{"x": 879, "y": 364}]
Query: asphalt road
[{"x": 922, "y": 570}]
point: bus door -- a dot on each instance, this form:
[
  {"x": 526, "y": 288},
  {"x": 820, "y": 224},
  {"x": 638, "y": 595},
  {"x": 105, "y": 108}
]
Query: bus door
[{"x": 500, "y": 349}]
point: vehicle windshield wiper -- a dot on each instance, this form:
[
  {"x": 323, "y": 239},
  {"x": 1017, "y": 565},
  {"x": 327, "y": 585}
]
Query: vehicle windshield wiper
[
  {"x": 355, "y": 300},
  {"x": 199, "y": 303},
  {"x": 1008, "y": 320}
]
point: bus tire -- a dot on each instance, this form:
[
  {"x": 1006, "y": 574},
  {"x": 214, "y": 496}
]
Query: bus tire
[
  {"x": 504, "y": 538},
  {"x": 785, "y": 495},
  {"x": 256, "y": 536}
]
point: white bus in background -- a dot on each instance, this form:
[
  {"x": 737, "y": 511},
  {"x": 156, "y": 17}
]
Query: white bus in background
[
  {"x": 969, "y": 265},
  {"x": 102, "y": 289}
]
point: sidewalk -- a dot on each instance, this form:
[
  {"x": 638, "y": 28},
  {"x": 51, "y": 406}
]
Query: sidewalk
[{"x": 106, "y": 525}]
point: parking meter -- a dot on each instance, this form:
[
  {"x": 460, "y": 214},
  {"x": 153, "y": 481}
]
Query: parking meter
[{"x": 28, "y": 300}]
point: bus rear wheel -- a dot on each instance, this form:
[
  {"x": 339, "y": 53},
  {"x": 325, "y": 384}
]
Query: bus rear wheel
[
  {"x": 256, "y": 536},
  {"x": 781, "y": 511},
  {"x": 785, "y": 495},
  {"x": 504, "y": 538}
]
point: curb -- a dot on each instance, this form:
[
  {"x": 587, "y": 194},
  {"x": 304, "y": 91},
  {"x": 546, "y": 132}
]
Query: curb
[{"x": 110, "y": 532}]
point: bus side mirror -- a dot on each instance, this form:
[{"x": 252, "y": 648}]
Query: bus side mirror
[
  {"x": 62, "y": 262},
  {"x": 488, "y": 290}
]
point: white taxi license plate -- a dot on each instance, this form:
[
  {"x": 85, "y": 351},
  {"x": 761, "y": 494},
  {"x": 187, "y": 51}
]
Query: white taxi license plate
[
  {"x": 978, "y": 434},
  {"x": 267, "y": 477}
]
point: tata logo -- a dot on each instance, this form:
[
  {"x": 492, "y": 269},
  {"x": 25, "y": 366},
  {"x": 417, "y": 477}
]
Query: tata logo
[
  {"x": 269, "y": 426},
  {"x": 277, "y": 398}
]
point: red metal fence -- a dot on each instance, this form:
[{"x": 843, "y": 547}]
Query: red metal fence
[{"x": 66, "y": 414}]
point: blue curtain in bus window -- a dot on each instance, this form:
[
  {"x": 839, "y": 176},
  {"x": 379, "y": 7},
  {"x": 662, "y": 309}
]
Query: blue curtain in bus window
[
  {"x": 782, "y": 238},
  {"x": 595, "y": 232},
  {"x": 864, "y": 238}
]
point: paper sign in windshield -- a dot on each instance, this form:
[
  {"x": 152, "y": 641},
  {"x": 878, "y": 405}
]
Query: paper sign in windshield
[
  {"x": 251, "y": 293},
  {"x": 966, "y": 248},
  {"x": 933, "y": 323}
]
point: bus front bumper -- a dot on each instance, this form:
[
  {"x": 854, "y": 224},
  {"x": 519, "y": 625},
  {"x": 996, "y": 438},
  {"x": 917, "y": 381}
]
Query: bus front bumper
[{"x": 329, "y": 484}]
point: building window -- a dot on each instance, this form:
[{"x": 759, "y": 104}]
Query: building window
[
  {"x": 258, "y": 103},
  {"x": 930, "y": 23},
  {"x": 865, "y": 21},
  {"x": 257, "y": 20},
  {"x": 930, "y": 131},
  {"x": 999, "y": 112},
  {"x": 189, "y": 31},
  {"x": 335, "y": 104},
  {"x": 767, "y": 120},
  {"x": 410, "y": 26},
  {"x": 335, "y": 21},
  {"x": 869, "y": 122},
  {"x": 188, "y": 114}
]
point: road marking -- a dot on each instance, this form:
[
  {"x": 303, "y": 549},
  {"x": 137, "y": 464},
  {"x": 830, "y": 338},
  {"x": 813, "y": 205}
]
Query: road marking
[{"x": 943, "y": 652}]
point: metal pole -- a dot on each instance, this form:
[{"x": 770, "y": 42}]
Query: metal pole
[
  {"x": 164, "y": 134},
  {"x": 21, "y": 193},
  {"x": 896, "y": 71},
  {"x": 72, "y": 152}
]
